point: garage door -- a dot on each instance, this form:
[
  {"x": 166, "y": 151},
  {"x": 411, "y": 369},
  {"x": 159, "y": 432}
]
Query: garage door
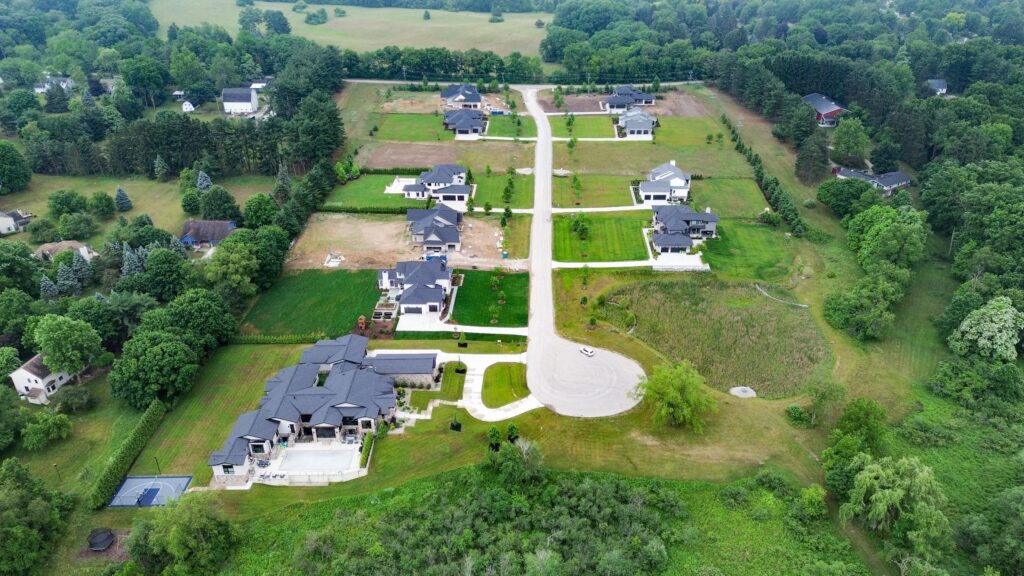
[
  {"x": 413, "y": 310},
  {"x": 433, "y": 307}
]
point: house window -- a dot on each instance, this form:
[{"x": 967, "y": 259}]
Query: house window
[{"x": 228, "y": 469}]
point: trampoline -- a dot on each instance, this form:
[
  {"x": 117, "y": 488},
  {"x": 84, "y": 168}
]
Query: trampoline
[
  {"x": 145, "y": 491},
  {"x": 101, "y": 539}
]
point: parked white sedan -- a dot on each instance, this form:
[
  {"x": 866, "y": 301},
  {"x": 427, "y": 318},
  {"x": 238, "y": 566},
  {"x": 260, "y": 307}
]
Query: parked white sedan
[{"x": 587, "y": 351}]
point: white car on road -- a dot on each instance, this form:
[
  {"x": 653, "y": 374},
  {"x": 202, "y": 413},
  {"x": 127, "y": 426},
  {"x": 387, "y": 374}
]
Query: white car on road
[{"x": 587, "y": 351}]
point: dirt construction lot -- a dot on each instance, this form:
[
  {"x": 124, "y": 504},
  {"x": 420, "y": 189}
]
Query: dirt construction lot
[
  {"x": 405, "y": 154},
  {"x": 364, "y": 241},
  {"x": 668, "y": 104}
]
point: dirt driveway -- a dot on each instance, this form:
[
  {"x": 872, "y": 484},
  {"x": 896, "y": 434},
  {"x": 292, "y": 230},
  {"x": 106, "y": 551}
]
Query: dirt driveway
[
  {"x": 406, "y": 154},
  {"x": 365, "y": 241}
]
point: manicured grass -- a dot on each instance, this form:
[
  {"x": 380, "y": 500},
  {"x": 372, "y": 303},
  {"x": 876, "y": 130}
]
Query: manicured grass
[
  {"x": 504, "y": 383},
  {"x": 230, "y": 383},
  {"x": 691, "y": 131},
  {"x": 504, "y": 126},
  {"x": 365, "y": 29},
  {"x": 412, "y": 128},
  {"x": 491, "y": 188},
  {"x": 749, "y": 251},
  {"x": 717, "y": 325},
  {"x": 517, "y": 234},
  {"x": 614, "y": 236},
  {"x": 452, "y": 384},
  {"x": 477, "y": 295},
  {"x": 598, "y": 190},
  {"x": 314, "y": 302},
  {"x": 161, "y": 200},
  {"x": 589, "y": 126},
  {"x": 637, "y": 158},
  {"x": 368, "y": 192},
  {"x": 450, "y": 344},
  {"x": 728, "y": 197},
  {"x": 72, "y": 464}
]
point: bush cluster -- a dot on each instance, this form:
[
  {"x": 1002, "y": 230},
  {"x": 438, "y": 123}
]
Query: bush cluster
[{"x": 121, "y": 461}]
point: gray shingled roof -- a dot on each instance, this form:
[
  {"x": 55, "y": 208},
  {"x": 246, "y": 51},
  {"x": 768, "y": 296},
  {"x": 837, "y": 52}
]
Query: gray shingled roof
[
  {"x": 821, "y": 103},
  {"x": 350, "y": 348},
  {"x": 657, "y": 187},
  {"x": 441, "y": 235},
  {"x": 419, "y": 295},
  {"x": 464, "y": 119},
  {"x": 667, "y": 170},
  {"x": 20, "y": 218},
  {"x": 442, "y": 174},
  {"x": 393, "y": 364},
  {"x": 672, "y": 240},
  {"x": 468, "y": 92},
  {"x": 236, "y": 95},
  {"x": 211, "y": 231},
  {"x": 682, "y": 218},
  {"x": 438, "y": 216},
  {"x": 36, "y": 367},
  {"x": 422, "y": 272}
]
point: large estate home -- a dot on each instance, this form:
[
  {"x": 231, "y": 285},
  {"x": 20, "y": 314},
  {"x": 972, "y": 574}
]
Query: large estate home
[
  {"x": 462, "y": 96},
  {"x": 419, "y": 287},
  {"x": 444, "y": 183},
  {"x": 826, "y": 111},
  {"x": 625, "y": 97},
  {"x": 887, "y": 183},
  {"x": 635, "y": 122},
  {"x": 676, "y": 226},
  {"x": 465, "y": 122},
  {"x": 664, "y": 183},
  {"x": 35, "y": 382},
  {"x": 436, "y": 229}
]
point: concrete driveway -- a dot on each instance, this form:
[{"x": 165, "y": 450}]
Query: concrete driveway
[{"x": 559, "y": 376}]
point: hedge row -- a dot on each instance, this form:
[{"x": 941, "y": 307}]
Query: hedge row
[
  {"x": 117, "y": 467},
  {"x": 363, "y": 209},
  {"x": 364, "y": 455},
  {"x": 472, "y": 337},
  {"x": 394, "y": 171},
  {"x": 277, "y": 338}
]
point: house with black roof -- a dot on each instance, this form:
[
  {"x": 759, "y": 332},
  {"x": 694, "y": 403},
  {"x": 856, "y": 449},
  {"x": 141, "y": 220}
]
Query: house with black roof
[
  {"x": 465, "y": 122},
  {"x": 436, "y": 229},
  {"x": 421, "y": 287},
  {"x": 625, "y": 97},
  {"x": 826, "y": 111},
  {"x": 462, "y": 96},
  {"x": 197, "y": 233},
  {"x": 239, "y": 100},
  {"x": 443, "y": 183},
  {"x": 887, "y": 183},
  {"x": 676, "y": 226}
]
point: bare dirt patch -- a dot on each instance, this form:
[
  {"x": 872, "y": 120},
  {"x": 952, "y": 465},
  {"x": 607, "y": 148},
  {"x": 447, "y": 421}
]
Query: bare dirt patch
[
  {"x": 480, "y": 240},
  {"x": 364, "y": 241},
  {"x": 573, "y": 104},
  {"x": 406, "y": 154},
  {"x": 679, "y": 104}
]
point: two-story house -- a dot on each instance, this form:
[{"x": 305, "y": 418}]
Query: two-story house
[
  {"x": 35, "y": 382},
  {"x": 424, "y": 285},
  {"x": 665, "y": 183}
]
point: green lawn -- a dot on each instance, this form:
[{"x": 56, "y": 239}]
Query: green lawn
[
  {"x": 161, "y": 200},
  {"x": 635, "y": 159},
  {"x": 230, "y": 383},
  {"x": 728, "y": 197},
  {"x": 749, "y": 251},
  {"x": 691, "y": 131},
  {"x": 368, "y": 192},
  {"x": 614, "y": 236},
  {"x": 412, "y": 128},
  {"x": 598, "y": 190},
  {"x": 589, "y": 126},
  {"x": 517, "y": 236},
  {"x": 314, "y": 302},
  {"x": 477, "y": 295},
  {"x": 503, "y": 126},
  {"x": 452, "y": 384},
  {"x": 207, "y": 112},
  {"x": 491, "y": 188},
  {"x": 504, "y": 383}
]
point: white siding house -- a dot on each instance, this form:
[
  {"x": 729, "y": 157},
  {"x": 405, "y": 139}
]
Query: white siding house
[
  {"x": 239, "y": 101},
  {"x": 13, "y": 221},
  {"x": 35, "y": 382}
]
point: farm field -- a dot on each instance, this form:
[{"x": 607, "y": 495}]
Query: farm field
[
  {"x": 590, "y": 126},
  {"x": 366, "y": 29},
  {"x": 749, "y": 251},
  {"x": 412, "y": 128},
  {"x": 161, "y": 200},
  {"x": 637, "y": 158},
  {"x": 728, "y": 197},
  {"x": 368, "y": 192},
  {"x": 614, "y": 236},
  {"x": 477, "y": 295},
  {"x": 504, "y": 383},
  {"x": 452, "y": 384},
  {"x": 504, "y": 126},
  {"x": 230, "y": 383},
  {"x": 489, "y": 189},
  {"x": 314, "y": 302},
  {"x": 598, "y": 190}
]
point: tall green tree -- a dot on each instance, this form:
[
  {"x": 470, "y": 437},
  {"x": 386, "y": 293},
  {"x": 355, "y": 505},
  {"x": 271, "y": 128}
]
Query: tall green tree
[
  {"x": 812, "y": 158},
  {"x": 677, "y": 395},
  {"x": 67, "y": 345},
  {"x": 35, "y": 519},
  {"x": 190, "y": 536},
  {"x": 849, "y": 143},
  {"x": 992, "y": 331},
  {"x": 218, "y": 204},
  {"x": 260, "y": 210},
  {"x": 15, "y": 173},
  {"x": 154, "y": 365}
]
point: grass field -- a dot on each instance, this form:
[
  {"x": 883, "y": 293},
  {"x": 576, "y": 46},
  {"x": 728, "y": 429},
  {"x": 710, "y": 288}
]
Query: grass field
[
  {"x": 503, "y": 126},
  {"x": 368, "y": 192},
  {"x": 637, "y": 158},
  {"x": 716, "y": 325},
  {"x": 504, "y": 383},
  {"x": 614, "y": 236},
  {"x": 598, "y": 190},
  {"x": 230, "y": 383},
  {"x": 412, "y": 128},
  {"x": 591, "y": 126},
  {"x": 476, "y": 296},
  {"x": 314, "y": 302},
  {"x": 452, "y": 384},
  {"x": 749, "y": 251},
  {"x": 161, "y": 200},
  {"x": 728, "y": 197},
  {"x": 517, "y": 237},
  {"x": 490, "y": 189},
  {"x": 692, "y": 132},
  {"x": 374, "y": 28}
]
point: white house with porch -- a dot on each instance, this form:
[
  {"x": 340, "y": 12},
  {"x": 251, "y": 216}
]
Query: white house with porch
[
  {"x": 443, "y": 183},
  {"x": 664, "y": 184},
  {"x": 35, "y": 382}
]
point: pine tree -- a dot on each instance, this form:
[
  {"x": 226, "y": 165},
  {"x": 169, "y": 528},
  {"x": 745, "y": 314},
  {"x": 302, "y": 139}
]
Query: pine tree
[
  {"x": 203, "y": 182},
  {"x": 160, "y": 168},
  {"x": 67, "y": 284},
  {"x": 283, "y": 186},
  {"x": 130, "y": 263},
  {"x": 176, "y": 245},
  {"x": 47, "y": 289},
  {"x": 122, "y": 201},
  {"x": 82, "y": 269}
]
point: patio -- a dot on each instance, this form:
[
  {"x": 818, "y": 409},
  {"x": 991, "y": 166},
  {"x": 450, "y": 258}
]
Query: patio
[{"x": 310, "y": 464}]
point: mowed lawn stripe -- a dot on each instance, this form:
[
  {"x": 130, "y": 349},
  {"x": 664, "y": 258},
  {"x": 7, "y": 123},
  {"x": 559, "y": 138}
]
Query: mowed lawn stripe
[
  {"x": 230, "y": 383},
  {"x": 614, "y": 236},
  {"x": 504, "y": 383},
  {"x": 412, "y": 128},
  {"x": 491, "y": 188},
  {"x": 749, "y": 251},
  {"x": 368, "y": 192},
  {"x": 476, "y": 296},
  {"x": 597, "y": 190},
  {"x": 314, "y": 302}
]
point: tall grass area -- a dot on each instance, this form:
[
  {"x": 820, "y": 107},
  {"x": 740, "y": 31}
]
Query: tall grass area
[
  {"x": 504, "y": 383},
  {"x": 718, "y": 326},
  {"x": 314, "y": 302},
  {"x": 478, "y": 293}
]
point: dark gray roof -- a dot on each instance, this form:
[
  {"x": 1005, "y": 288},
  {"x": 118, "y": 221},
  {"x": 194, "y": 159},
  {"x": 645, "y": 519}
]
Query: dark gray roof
[
  {"x": 20, "y": 218},
  {"x": 419, "y": 294},
  {"x": 454, "y": 189},
  {"x": 892, "y": 179},
  {"x": 392, "y": 364},
  {"x": 657, "y": 187},
  {"x": 438, "y": 216},
  {"x": 422, "y": 272},
  {"x": 637, "y": 119},
  {"x": 212, "y": 231},
  {"x": 468, "y": 92},
  {"x": 235, "y": 449},
  {"x": 635, "y": 96},
  {"x": 36, "y": 367},
  {"x": 618, "y": 100},
  {"x": 821, "y": 103},
  {"x": 442, "y": 174},
  {"x": 672, "y": 240},
  {"x": 350, "y": 348},
  {"x": 236, "y": 95},
  {"x": 464, "y": 119},
  {"x": 681, "y": 218},
  {"x": 441, "y": 235},
  {"x": 938, "y": 84}
]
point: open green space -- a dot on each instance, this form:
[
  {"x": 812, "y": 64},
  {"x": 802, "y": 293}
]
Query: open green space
[
  {"x": 368, "y": 192},
  {"x": 728, "y": 197},
  {"x": 366, "y": 29},
  {"x": 746, "y": 250},
  {"x": 313, "y": 302},
  {"x": 161, "y": 200},
  {"x": 517, "y": 233},
  {"x": 505, "y": 126},
  {"x": 583, "y": 126},
  {"x": 452, "y": 384},
  {"x": 692, "y": 131},
  {"x": 716, "y": 325},
  {"x": 412, "y": 128},
  {"x": 613, "y": 237},
  {"x": 490, "y": 189},
  {"x": 637, "y": 158},
  {"x": 481, "y": 290},
  {"x": 504, "y": 383},
  {"x": 208, "y": 111},
  {"x": 597, "y": 190},
  {"x": 230, "y": 383}
]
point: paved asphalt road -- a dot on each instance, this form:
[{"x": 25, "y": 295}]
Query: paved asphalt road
[{"x": 561, "y": 377}]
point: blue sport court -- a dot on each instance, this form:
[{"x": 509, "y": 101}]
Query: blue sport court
[{"x": 142, "y": 491}]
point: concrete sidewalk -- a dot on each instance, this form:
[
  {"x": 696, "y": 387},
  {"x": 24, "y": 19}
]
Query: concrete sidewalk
[{"x": 432, "y": 323}]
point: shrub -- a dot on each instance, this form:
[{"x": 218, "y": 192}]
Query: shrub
[
  {"x": 734, "y": 496},
  {"x": 770, "y": 218},
  {"x": 920, "y": 431},
  {"x": 72, "y": 399},
  {"x": 277, "y": 338},
  {"x": 364, "y": 453},
  {"x": 45, "y": 428},
  {"x": 121, "y": 461},
  {"x": 798, "y": 417}
]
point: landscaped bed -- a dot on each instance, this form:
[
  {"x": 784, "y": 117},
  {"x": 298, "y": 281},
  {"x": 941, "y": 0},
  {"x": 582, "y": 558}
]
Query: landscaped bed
[
  {"x": 596, "y": 190},
  {"x": 480, "y": 291},
  {"x": 452, "y": 383},
  {"x": 314, "y": 302},
  {"x": 613, "y": 236},
  {"x": 504, "y": 383}
]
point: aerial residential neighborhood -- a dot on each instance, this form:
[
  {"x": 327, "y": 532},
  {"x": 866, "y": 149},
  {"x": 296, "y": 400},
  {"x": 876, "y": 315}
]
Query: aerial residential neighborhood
[{"x": 583, "y": 287}]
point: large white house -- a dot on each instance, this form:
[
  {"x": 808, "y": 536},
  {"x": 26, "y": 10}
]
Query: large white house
[
  {"x": 239, "y": 101},
  {"x": 14, "y": 221},
  {"x": 444, "y": 183},
  {"x": 665, "y": 183},
  {"x": 462, "y": 96},
  {"x": 419, "y": 286},
  {"x": 35, "y": 382}
]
